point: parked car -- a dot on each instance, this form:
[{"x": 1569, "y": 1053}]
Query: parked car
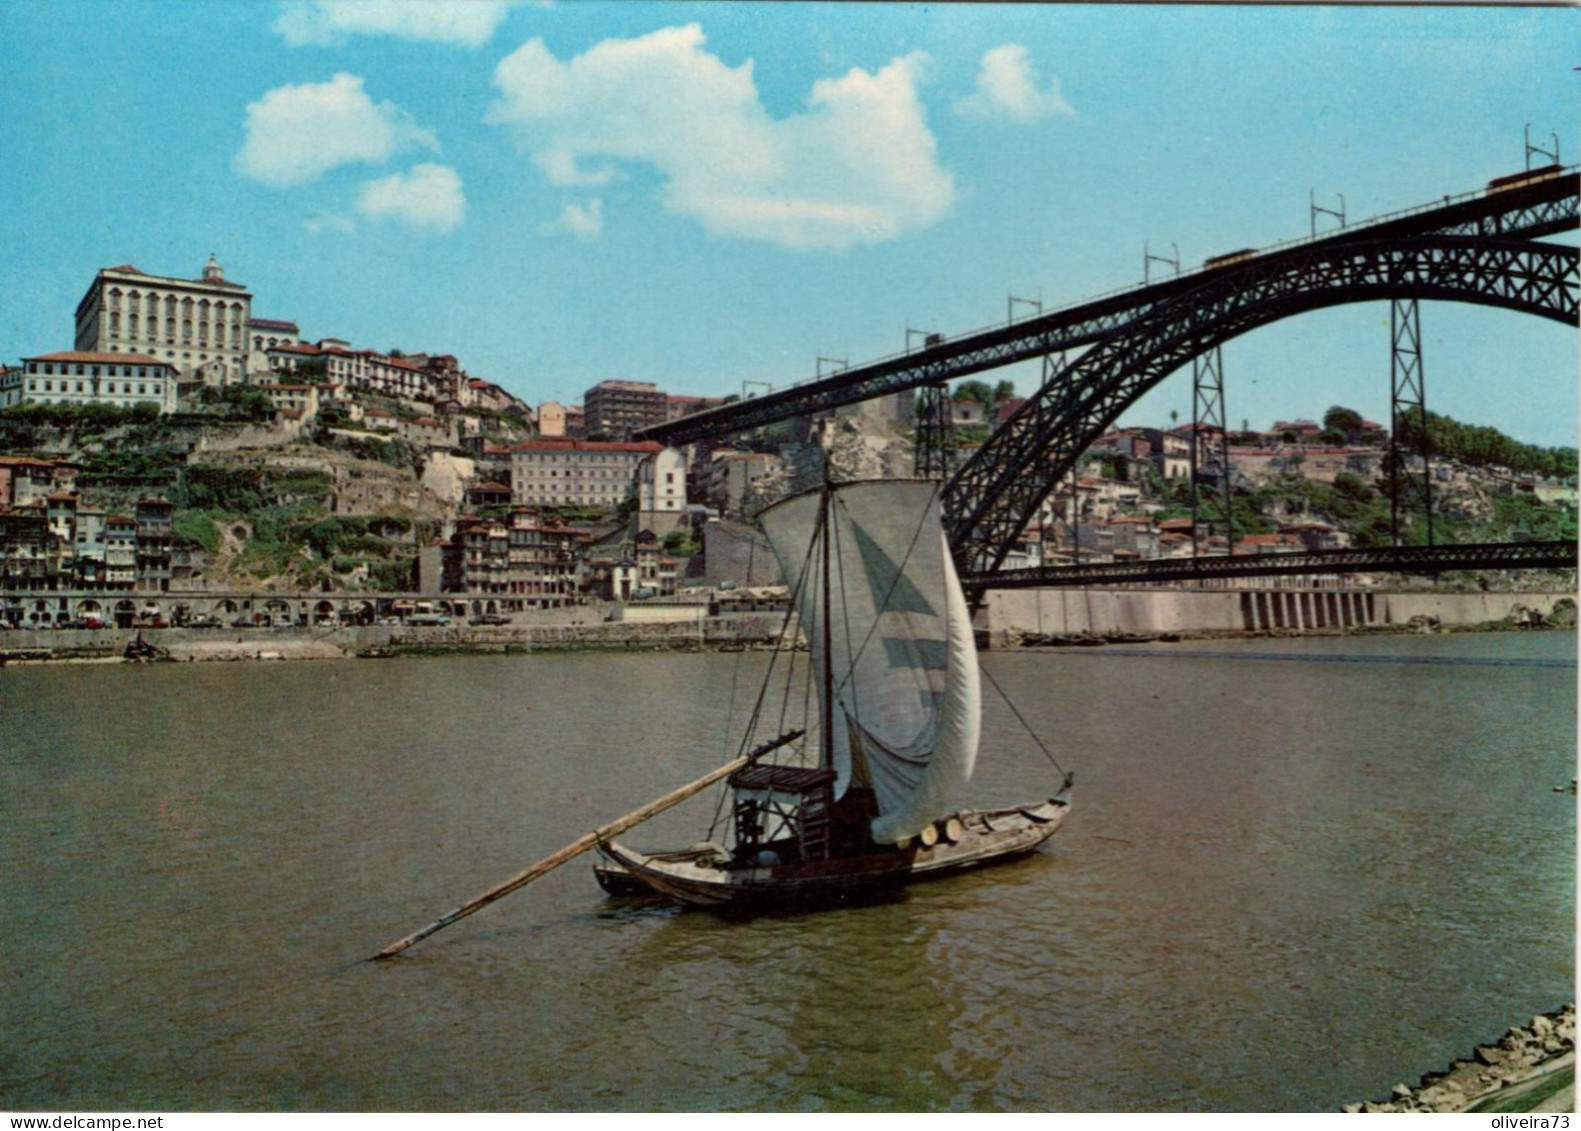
[
  {"x": 429, "y": 620},
  {"x": 243, "y": 621},
  {"x": 489, "y": 618},
  {"x": 205, "y": 621}
]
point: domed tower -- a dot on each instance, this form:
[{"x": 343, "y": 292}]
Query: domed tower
[{"x": 213, "y": 272}]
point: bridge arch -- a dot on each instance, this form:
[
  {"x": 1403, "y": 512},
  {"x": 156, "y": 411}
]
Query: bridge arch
[{"x": 992, "y": 497}]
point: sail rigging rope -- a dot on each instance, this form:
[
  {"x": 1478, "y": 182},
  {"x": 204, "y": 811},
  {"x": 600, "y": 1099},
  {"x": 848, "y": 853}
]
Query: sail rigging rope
[
  {"x": 757, "y": 708},
  {"x": 1022, "y": 720}
]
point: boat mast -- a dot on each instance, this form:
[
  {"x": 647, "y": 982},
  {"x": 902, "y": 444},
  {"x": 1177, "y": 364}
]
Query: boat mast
[{"x": 826, "y": 761}]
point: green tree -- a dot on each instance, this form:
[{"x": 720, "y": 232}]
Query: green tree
[
  {"x": 973, "y": 390},
  {"x": 1346, "y": 421},
  {"x": 679, "y": 543},
  {"x": 1004, "y": 391}
]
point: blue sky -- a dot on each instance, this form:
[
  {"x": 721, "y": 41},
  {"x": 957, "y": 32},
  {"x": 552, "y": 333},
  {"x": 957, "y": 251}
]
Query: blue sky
[{"x": 711, "y": 194}]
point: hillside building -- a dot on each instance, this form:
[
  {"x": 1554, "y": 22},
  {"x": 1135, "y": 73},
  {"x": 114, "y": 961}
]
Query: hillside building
[
  {"x": 575, "y": 473},
  {"x": 661, "y": 491},
  {"x": 80, "y": 377},
  {"x": 616, "y": 409},
  {"x": 197, "y": 326},
  {"x": 525, "y": 560}
]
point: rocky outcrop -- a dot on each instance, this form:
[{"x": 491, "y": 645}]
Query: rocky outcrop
[{"x": 1521, "y": 1054}]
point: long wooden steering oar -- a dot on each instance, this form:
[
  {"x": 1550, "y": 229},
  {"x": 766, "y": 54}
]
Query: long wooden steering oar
[{"x": 582, "y": 844}]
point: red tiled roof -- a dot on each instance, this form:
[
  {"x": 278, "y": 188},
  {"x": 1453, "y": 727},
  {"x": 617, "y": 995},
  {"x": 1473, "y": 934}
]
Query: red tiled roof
[
  {"x": 568, "y": 445},
  {"x": 24, "y": 461},
  {"x": 87, "y": 356},
  {"x": 1270, "y": 540}
]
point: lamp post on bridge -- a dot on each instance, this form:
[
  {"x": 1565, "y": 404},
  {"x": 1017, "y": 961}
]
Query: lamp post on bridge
[
  {"x": 1314, "y": 210},
  {"x": 1552, "y": 155},
  {"x": 1148, "y": 259}
]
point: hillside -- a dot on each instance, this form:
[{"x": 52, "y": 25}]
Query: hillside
[{"x": 257, "y": 507}]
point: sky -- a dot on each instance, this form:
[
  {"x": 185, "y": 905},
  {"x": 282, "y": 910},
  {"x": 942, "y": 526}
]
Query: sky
[{"x": 715, "y": 196}]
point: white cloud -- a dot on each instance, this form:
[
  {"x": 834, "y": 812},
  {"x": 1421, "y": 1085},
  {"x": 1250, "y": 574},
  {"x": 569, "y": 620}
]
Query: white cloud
[
  {"x": 584, "y": 221},
  {"x": 857, "y": 165},
  {"x": 329, "y": 222},
  {"x": 297, "y": 133},
  {"x": 324, "y": 23},
  {"x": 427, "y": 198},
  {"x": 1007, "y": 88}
]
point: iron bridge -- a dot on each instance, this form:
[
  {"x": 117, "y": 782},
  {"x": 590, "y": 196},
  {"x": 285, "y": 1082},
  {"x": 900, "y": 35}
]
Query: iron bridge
[
  {"x": 1483, "y": 248},
  {"x": 1529, "y": 212}
]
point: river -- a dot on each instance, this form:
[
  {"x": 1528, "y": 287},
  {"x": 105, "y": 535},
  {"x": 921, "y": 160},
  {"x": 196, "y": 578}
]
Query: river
[{"x": 1296, "y": 872}]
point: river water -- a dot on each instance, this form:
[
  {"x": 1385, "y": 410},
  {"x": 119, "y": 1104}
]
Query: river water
[{"x": 1296, "y": 873}]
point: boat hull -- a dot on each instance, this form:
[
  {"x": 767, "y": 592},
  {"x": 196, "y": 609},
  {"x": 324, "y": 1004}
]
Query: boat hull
[{"x": 986, "y": 837}]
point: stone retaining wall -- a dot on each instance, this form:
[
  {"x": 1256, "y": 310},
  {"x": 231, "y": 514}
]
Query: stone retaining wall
[
  {"x": 183, "y": 644},
  {"x": 1122, "y": 612}
]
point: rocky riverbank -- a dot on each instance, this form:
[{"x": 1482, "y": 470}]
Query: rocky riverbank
[{"x": 1511, "y": 1070}]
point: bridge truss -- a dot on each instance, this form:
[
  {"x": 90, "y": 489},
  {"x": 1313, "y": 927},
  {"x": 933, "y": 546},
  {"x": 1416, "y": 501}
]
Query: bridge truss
[{"x": 996, "y": 493}]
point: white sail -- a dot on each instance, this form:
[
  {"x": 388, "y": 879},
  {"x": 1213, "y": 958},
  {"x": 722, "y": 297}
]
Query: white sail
[{"x": 901, "y": 652}]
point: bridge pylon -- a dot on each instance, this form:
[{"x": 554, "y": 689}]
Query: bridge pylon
[
  {"x": 935, "y": 433},
  {"x": 1410, "y": 482},
  {"x": 1212, "y": 490}
]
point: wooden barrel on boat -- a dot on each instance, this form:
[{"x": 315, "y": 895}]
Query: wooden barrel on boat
[
  {"x": 954, "y": 830},
  {"x": 928, "y": 836}
]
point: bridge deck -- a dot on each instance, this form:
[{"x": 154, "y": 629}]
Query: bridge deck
[{"x": 1406, "y": 559}]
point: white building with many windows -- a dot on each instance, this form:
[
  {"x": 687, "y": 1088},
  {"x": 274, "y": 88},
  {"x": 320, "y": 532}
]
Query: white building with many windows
[
  {"x": 570, "y": 473},
  {"x": 82, "y": 377},
  {"x": 197, "y": 326}
]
